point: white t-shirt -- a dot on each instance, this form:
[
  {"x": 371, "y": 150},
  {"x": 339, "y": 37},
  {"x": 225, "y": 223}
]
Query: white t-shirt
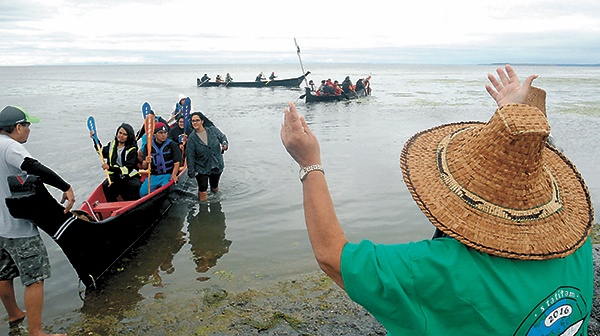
[{"x": 12, "y": 155}]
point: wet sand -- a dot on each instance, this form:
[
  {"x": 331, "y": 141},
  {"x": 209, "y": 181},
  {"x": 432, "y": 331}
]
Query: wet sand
[{"x": 306, "y": 305}]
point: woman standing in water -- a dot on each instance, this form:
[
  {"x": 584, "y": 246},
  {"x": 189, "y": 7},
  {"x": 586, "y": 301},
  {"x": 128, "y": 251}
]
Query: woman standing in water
[{"x": 204, "y": 153}]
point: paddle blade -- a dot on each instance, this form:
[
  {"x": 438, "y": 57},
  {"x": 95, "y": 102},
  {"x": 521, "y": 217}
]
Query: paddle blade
[
  {"x": 187, "y": 107},
  {"x": 149, "y": 125},
  {"x": 91, "y": 125},
  {"x": 146, "y": 109}
]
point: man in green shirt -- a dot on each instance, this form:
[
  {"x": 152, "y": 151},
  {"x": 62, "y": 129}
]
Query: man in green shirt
[{"x": 511, "y": 254}]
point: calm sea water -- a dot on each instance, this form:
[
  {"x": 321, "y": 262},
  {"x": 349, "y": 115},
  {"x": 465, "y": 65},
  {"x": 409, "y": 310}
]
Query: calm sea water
[{"x": 253, "y": 233}]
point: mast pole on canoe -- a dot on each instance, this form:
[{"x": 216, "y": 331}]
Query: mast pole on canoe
[{"x": 302, "y": 66}]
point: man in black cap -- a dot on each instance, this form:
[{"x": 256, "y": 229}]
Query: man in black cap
[
  {"x": 163, "y": 161},
  {"x": 22, "y": 252}
]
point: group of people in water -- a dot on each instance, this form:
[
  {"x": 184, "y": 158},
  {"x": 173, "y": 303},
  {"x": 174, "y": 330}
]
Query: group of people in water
[
  {"x": 329, "y": 87},
  {"x": 259, "y": 78},
  {"x": 199, "y": 145}
]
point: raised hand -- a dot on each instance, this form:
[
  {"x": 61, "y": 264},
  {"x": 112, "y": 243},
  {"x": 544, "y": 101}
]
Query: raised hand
[
  {"x": 298, "y": 139},
  {"x": 509, "y": 90}
]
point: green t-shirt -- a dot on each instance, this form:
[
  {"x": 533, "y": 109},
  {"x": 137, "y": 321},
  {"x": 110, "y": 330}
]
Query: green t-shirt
[{"x": 442, "y": 287}]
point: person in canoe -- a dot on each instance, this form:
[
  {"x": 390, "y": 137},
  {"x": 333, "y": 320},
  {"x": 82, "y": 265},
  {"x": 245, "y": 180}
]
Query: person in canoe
[
  {"x": 260, "y": 77},
  {"x": 204, "y": 78},
  {"x": 228, "y": 78},
  {"x": 177, "y": 110},
  {"x": 177, "y": 134},
  {"x": 140, "y": 134},
  {"x": 347, "y": 86},
  {"x": 204, "y": 154},
  {"x": 164, "y": 160},
  {"x": 272, "y": 76},
  {"x": 121, "y": 156},
  {"x": 22, "y": 251}
]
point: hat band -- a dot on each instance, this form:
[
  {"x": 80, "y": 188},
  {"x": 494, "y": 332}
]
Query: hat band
[{"x": 475, "y": 201}]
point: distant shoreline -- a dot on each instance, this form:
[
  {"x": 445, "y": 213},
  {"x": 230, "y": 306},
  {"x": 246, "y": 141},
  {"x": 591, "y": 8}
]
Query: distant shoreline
[
  {"x": 546, "y": 64},
  {"x": 307, "y": 64}
]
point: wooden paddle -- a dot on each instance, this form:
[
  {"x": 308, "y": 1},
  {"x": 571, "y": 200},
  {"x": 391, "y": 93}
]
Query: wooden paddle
[
  {"x": 204, "y": 81},
  {"x": 91, "y": 123},
  {"x": 187, "y": 107},
  {"x": 299, "y": 58},
  {"x": 149, "y": 128},
  {"x": 146, "y": 109},
  {"x": 145, "y": 112}
]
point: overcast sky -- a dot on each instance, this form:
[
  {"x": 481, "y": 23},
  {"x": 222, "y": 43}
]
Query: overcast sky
[{"x": 50, "y": 32}]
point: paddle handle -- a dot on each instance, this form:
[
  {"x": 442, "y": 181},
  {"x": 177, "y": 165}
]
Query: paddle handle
[
  {"x": 149, "y": 128},
  {"x": 300, "y": 59},
  {"x": 99, "y": 149}
]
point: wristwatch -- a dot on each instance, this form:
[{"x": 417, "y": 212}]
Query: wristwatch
[{"x": 305, "y": 170}]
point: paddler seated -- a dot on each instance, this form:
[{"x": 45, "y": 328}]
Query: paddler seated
[
  {"x": 347, "y": 86},
  {"x": 164, "y": 160},
  {"x": 121, "y": 156},
  {"x": 179, "y": 133},
  {"x": 360, "y": 85}
]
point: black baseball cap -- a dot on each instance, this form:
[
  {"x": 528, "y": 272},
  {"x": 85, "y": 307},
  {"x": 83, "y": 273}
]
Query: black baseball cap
[{"x": 12, "y": 115}]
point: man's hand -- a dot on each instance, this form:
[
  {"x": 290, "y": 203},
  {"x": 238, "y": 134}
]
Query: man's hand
[
  {"x": 298, "y": 139},
  {"x": 509, "y": 90},
  {"x": 69, "y": 196}
]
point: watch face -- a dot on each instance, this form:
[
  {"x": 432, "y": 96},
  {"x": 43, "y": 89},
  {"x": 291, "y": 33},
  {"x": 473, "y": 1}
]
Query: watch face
[
  {"x": 306, "y": 170},
  {"x": 302, "y": 173}
]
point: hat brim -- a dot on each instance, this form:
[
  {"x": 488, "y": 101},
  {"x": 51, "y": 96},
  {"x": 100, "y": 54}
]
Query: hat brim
[
  {"x": 551, "y": 237},
  {"x": 32, "y": 119}
]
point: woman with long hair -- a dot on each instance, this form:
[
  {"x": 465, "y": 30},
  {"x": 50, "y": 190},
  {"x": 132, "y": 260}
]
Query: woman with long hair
[{"x": 204, "y": 153}]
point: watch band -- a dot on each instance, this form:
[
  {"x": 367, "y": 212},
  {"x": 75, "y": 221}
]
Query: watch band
[{"x": 305, "y": 170}]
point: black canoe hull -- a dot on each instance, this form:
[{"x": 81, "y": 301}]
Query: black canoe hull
[
  {"x": 290, "y": 82},
  {"x": 92, "y": 247},
  {"x": 310, "y": 96}
]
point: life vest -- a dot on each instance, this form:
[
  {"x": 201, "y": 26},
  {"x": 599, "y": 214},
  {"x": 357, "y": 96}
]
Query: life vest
[
  {"x": 112, "y": 152},
  {"x": 161, "y": 166}
]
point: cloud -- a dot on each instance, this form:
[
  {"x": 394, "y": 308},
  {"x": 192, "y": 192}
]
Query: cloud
[{"x": 186, "y": 31}]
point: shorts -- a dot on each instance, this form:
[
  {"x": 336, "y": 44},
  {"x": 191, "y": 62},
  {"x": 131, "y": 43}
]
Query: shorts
[{"x": 24, "y": 257}]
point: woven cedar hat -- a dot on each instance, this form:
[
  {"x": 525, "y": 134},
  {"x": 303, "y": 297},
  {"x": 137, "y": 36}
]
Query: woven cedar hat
[{"x": 498, "y": 187}]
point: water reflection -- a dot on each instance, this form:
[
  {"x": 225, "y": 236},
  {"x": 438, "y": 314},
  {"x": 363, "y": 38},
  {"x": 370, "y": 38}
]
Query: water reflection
[
  {"x": 207, "y": 237},
  {"x": 148, "y": 260}
]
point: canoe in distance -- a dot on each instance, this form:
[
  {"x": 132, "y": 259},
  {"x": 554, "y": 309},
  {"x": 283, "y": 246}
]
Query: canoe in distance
[
  {"x": 289, "y": 82},
  {"x": 311, "y": 97}
]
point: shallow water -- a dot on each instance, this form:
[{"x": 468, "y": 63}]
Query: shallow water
[{"x": 253, "y": 233}]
